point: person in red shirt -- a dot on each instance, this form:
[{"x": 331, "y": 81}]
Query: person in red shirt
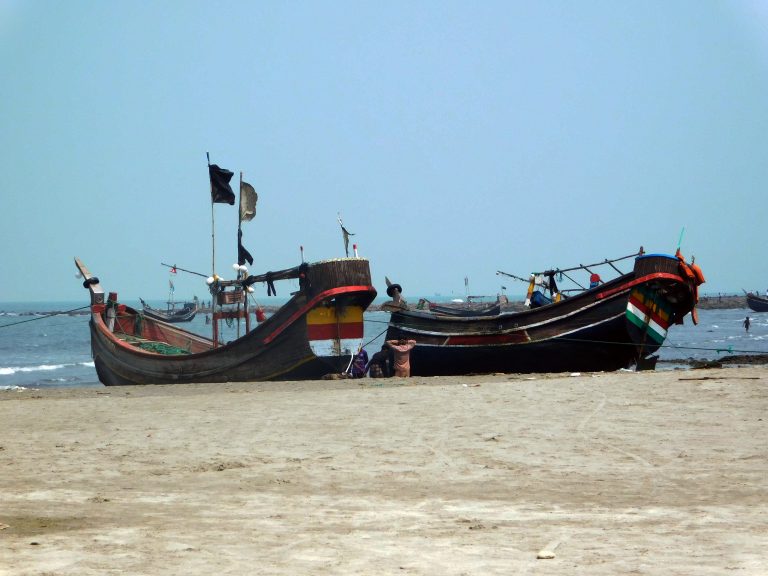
[{"x": 402, "y": 352}]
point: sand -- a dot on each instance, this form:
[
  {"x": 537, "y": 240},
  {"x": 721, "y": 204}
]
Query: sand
[{"x": 613, "y": 473}]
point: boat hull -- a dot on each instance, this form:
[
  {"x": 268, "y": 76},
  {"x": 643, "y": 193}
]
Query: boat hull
[
  {"x": 618, "y": 324},
  {"x": 141, "y": 350},
  {"x": 757, "y": 303}
]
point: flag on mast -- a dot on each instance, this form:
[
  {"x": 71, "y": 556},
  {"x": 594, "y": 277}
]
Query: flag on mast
[
  {"x": 221, "y": 191},
  {"x": 242, "y": 254},
  {"x": 248, "y": 199}
]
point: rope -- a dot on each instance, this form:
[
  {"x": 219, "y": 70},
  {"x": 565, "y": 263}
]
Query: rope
[
  {"x": 44, "y": 316},
  {"x": 374, "y": 338},
  {"x": 729, "y": 350}
]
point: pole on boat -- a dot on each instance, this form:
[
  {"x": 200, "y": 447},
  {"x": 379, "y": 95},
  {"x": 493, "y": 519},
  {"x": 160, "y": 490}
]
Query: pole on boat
[
  {"x": 213, "y": 227},
  {"x": 214, "y": 324},
  {"x": 240, "y": 272},
  {"x": 174, "y": 267}
]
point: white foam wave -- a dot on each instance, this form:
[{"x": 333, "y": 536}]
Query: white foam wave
[{"x": 9, "y": 370}]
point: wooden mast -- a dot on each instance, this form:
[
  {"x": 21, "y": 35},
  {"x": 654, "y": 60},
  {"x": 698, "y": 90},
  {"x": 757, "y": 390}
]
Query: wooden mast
[{"x": 241, "y": 275}]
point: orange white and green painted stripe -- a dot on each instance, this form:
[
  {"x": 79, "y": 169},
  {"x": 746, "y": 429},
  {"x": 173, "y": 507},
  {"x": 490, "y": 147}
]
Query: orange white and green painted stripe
[{"x": 646, "y": 312}]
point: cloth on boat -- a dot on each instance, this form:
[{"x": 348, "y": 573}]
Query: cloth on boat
[
  {"x": 243, "y": 255},
  {"x": 402, "y": 352},
  {"x": 221, "y": 191}
]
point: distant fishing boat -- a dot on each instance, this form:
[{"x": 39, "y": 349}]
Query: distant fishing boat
[
  {"x": 756, "y": 302},
  {"x": 462, "y": 308},
  {"x": 173, "y": 313},
  {"x": 610, "y": 325}
]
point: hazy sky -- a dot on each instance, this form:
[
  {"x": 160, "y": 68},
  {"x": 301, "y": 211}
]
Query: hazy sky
[{"x": 454, "y": 138}]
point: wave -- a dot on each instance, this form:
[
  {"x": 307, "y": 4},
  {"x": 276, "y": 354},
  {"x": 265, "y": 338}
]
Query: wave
[{"x": 10, "y": 370}]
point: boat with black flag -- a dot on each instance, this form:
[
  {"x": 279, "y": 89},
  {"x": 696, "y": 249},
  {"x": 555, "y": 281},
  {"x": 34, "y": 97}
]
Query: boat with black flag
[{"x": 314, "y": 334}]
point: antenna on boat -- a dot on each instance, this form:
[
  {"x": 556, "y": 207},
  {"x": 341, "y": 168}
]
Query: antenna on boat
[{"x": 680, "y": 240}]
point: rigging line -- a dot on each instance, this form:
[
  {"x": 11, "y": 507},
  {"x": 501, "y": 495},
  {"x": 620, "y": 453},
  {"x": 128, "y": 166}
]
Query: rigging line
[
  {"x": 674, "y": 347},
  {"x": 377, "y": 321},
  {"x": 44, "y": 316},
  {"x": 375, "y": 337},
  {"x": 584, "y": 266}
]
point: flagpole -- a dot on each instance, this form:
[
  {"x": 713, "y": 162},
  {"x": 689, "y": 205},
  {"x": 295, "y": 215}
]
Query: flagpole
[
  {"x": 239, "y": 218},
  {"x": 213, "y": 225},
  {"x": 239, "y": 233},
  {"x": 214, "y": 320}
]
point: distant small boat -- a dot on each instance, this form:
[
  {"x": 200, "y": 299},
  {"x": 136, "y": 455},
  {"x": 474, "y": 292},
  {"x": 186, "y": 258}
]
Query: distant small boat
[
  {"x": 173, "y": 313},
  {"x": 608, "y": 326},
  {"x": 757, "y": 303},
  {"x": 461, "y": 308}
]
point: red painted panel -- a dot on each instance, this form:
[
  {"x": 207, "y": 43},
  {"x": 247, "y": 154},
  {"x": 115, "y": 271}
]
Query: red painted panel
[{"x": 333, "y": 331}]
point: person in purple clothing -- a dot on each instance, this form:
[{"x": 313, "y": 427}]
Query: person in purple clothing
[{"x": 359, "y": 364}]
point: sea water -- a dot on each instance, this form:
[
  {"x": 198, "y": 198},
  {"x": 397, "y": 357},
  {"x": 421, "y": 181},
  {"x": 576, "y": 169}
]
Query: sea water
[{"x": 40, "y": 350}]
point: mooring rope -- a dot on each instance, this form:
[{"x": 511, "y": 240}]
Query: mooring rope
[
  {"x": 44, "y": 316},
  {"x": 375, "y": 337}
]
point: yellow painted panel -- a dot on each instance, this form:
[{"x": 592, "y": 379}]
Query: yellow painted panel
[{"x": 323, "y": 315}]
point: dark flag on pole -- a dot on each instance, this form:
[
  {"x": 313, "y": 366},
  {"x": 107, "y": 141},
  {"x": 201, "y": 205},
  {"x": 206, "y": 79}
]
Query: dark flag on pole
[
  {"x": 242, "y": 254},
  {"x": 221, "y": 191}
]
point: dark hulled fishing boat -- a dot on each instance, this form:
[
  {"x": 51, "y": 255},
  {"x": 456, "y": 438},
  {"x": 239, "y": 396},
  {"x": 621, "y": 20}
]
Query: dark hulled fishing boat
[
  {"x": 172, "y": 313},
  {"x": 615, "y": 324},
  {"x": 312, "y": 335},
  {"x": 461, "y": 308},
  {"x": 757, "y": 303}
]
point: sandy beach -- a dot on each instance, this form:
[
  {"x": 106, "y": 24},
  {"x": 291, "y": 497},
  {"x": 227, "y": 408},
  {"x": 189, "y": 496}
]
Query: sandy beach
[{"x": 645, "y": 473}]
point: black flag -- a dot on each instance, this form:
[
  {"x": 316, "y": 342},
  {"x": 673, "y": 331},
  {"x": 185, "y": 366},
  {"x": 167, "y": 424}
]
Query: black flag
[
  {"x": 221, "y": 191},
  {"x": 242, "y": 254}
]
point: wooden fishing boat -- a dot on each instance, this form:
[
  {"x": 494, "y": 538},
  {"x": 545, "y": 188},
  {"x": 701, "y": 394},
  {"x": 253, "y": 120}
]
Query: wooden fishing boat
[
  {"x": 314, "y": 334},
  {"x": 615, "y": 324},
  {"x": 461, "y": 309},
  {"x": 757, "y": 303},
  {"x": 172, "y": 314}
]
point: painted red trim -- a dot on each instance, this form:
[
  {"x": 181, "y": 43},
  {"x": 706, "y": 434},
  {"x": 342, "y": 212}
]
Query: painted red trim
[
  {"x": 334, "y": 331},
  {"x": 641, "y": 280},
  {"x": 311, "y": 304}
]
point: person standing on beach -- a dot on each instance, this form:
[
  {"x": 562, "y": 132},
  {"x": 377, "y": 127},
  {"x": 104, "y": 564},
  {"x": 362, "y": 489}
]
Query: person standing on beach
[
  {"x": 746, "y": 323},
  {"x": 402, "y": 351},
  {"x": 359, "y": 364}
]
